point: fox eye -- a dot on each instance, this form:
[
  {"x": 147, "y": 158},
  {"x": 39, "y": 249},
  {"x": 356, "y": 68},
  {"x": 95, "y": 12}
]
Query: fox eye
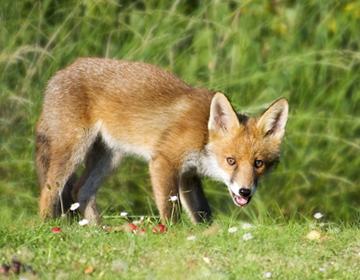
[
  {"x": 231, "y": 161},
  {"x": 258, "y": 163}
]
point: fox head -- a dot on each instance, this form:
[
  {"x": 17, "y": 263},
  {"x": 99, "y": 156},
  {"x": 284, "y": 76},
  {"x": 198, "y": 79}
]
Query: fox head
[{"x": 241, "y": 149}]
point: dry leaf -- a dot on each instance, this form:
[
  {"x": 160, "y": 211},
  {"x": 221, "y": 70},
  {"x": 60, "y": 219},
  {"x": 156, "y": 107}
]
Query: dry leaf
[
  {"x": 192, "y": 264},
  {"x": 118, "y": 228},
  {"x": 314, "y": 235},
  {"x": 89, "y": 269},
  {"x": 76, "y": 265},
  {"x": 212, "y": 230}
]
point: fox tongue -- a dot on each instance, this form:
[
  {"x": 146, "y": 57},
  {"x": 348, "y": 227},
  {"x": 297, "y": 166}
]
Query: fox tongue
[{"x": 241, "y": 200}]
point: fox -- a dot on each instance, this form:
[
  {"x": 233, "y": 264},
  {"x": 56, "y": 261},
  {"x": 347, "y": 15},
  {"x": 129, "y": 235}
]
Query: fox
[{"x": 98, "y": 111}]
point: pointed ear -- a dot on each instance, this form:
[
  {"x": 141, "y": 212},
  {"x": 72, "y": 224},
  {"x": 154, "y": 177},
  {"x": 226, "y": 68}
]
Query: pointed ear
[
  {"x": 273, "y": 121},
  {"x": 223, "y": 118}
]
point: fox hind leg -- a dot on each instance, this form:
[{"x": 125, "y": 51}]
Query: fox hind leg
[
  {"x": 100, "y": 162},
  {"x": 59, "y": 177},
  {"x": 63, "y": 155}
]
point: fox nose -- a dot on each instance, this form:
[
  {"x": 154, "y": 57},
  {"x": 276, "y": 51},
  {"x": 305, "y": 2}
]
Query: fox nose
[{"x": 245, "y": 192}]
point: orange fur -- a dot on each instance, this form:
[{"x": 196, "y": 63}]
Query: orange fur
[{"x": 103, "y": 109}]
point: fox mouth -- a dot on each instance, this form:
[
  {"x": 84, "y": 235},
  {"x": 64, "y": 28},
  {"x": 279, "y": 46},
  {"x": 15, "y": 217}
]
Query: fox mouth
[{"x": 239, "y": 200}]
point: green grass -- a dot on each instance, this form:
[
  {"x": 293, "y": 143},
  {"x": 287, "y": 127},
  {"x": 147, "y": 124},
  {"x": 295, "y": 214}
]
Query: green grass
[
  {"x": 281, "y": 249},
  {"x": 254, "y": 51}
]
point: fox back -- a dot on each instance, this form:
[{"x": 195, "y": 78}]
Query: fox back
[{"x": 100, "y": 110}]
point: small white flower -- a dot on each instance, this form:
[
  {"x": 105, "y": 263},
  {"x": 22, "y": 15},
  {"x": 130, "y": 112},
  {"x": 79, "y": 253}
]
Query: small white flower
[
  {"x": 334, "y": 230},
  {"x": 123, "y": 214},
  {"x": 142, "y": 218},
  {"x": 246, "y": 226},
  {"x": 83, "y": 222},
  {"x": 207, "y": 260},
  {"x": 191, "y": 237},
  {"x": 173, "y": 198},
  {"x": 232, "y": 229},
  {"x": 318, "y": 215},
  {"x": 74, "y": 206},
  {"x": 322, "y": 224},
  {"x": 268, "y": 275},
  {"x": 322, "y": 269},
  {"x": 247, "y": 236}
]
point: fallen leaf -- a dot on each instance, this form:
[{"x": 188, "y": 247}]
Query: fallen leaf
[
  {"x": 314, "y": 235},
  {"x": 4, "y": 269},
  {"x": 118, "y": 228},
  {"x": 16, "y": 266},
  {"x": 212, "y": 230},
  {"x": 76, "y": 265},
  {"x": 89, "y": 269},
  {"x": 192, "y": 264}
]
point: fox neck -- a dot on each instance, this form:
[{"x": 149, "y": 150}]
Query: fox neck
[{"x": 205, "y": 164}]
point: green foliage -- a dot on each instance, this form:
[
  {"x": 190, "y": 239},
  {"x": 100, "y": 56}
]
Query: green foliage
[{"x": 254, "y": 51}]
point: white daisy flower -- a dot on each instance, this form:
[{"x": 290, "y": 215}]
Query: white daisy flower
[
  {"x": 247, "y": 236},
  {"x": 268, "y": 275},
  {"x": 334, "y": 230},
  {"x": 123, "y": 214},
  {"x": 233, "y": 229},
  {"x": 207, "y": 260},
  {"x": 173, "y": 198},
  {"x": 246, "y": 226},
  {"x": 83, "y": 222},
  {"x": 318, "y": 215},
  {"x": 191, "y": 237},
  {"x": 74, "y": 206}
]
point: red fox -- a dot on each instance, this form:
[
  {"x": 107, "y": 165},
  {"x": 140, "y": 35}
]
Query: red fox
[{"x": 103, "y": 109}]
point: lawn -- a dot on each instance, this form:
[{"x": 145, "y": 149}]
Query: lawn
[{"x": 255, "y": 51}]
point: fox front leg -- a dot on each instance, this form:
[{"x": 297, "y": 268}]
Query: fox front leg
[
  {"x": 193, "y": 198},
  {"x": 164, "y": 179}
]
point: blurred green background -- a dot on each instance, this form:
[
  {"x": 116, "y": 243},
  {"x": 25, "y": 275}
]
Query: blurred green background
[{"x": 254, "y": 51}]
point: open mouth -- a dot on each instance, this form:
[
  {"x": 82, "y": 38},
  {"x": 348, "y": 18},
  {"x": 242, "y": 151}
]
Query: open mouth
[{"x": 240, "y": 200}]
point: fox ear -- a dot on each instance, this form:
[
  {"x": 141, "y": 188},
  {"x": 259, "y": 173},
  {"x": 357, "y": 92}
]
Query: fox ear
[
  {"x": 274, "y": 119},
  {"x": 222, "y": 116}
]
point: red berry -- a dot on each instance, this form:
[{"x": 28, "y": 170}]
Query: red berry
[
  {"x": 141, "y": 231},
  {"x": 158, "y": 229},
  {"x": 56, "y": 229},
  {"x": 130, "y": 228}
]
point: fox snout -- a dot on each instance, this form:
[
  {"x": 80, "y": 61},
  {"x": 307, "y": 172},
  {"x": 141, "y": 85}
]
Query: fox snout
[
  {"x": 244, "y": 192},
  {"x": 241, "y": 195}
]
